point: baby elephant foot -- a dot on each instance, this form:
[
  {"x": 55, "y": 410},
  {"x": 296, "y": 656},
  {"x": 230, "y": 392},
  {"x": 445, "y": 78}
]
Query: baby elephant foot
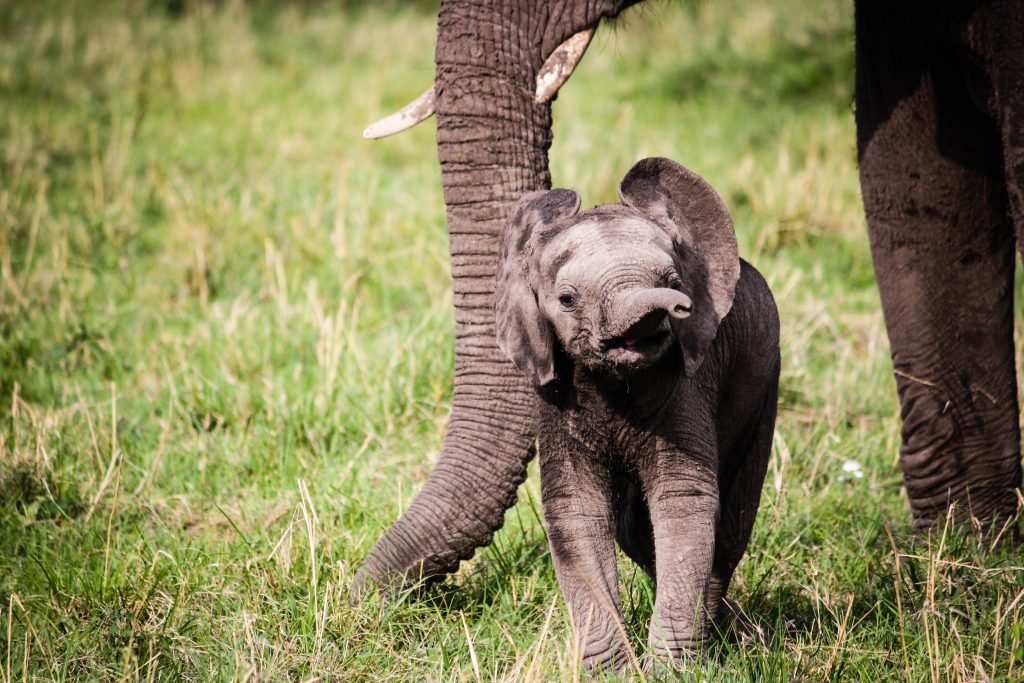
[
  {"x": 674, "y": 653},
  {"x": 605, "y": 653},
  {"x": 732, "y": 622}
]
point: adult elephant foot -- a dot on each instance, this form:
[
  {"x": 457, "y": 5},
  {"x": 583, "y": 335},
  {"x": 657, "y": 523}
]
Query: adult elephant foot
[{"x": 942, "y": 238}]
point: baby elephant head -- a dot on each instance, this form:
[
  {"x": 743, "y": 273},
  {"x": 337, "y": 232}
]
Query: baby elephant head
[{"x": 618, "y": 285}]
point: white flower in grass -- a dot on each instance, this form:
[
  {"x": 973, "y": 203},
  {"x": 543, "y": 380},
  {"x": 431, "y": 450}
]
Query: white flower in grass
[{"x": 852, "y": 468}]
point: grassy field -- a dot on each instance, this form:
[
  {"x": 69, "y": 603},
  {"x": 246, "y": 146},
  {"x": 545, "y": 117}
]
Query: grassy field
[{"x": 225, "y": 351}]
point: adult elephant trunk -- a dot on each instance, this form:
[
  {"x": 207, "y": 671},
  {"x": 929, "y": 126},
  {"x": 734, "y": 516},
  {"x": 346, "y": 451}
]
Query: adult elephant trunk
[{"x": 492, "y": 140}]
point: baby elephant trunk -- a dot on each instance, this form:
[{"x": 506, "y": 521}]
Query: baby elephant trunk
[{"x": 640, "y": 313}]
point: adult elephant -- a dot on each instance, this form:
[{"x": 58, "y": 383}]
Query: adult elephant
[{"x": 940, "y": 128}]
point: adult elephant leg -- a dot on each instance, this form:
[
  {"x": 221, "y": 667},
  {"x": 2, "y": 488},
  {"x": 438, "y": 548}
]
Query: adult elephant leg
[
  {"x": 996, "y": 36},
  {"x": 493, "y": 140},
  {"x": 943, "y": 249}
]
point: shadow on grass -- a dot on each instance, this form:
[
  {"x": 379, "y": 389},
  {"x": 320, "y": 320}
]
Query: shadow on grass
[{"x": 26, "y": 491}]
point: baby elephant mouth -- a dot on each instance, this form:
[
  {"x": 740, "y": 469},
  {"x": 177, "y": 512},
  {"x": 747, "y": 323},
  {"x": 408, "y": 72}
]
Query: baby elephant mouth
[
  {"x": 638, "y": 332},
  {"x": 644, "y": 337}
]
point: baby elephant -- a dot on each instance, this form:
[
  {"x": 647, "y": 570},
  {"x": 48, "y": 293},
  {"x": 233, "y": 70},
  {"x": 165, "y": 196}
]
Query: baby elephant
[{"x": 656, "y": 351}]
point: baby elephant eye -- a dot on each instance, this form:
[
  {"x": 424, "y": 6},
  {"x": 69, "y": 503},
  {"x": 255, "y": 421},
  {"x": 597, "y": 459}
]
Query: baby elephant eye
[{"x": 567, "y": 300}]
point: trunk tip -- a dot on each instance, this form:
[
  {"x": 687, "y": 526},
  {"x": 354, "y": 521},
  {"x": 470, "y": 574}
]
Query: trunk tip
[{"x": 679, "y": 312}]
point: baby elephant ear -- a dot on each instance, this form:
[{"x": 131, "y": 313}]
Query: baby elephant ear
[
  {"x": 689, "y": 208},
  {"x": 522, "y": 331}
]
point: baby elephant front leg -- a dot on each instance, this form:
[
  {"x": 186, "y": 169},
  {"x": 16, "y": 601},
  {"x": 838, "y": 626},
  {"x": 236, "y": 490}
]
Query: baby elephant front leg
[
  {"x": 683, "y": 499},
  {"x": 577, "y": 509}
]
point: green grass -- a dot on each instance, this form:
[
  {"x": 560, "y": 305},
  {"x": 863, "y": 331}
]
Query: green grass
[{"x": 225, "y": 350}]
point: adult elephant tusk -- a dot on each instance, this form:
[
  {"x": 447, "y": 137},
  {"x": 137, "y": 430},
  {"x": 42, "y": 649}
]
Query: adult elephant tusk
[
  {"x": 418, "y": 110},
  {"x": 553, "y": 74},
  {"x": 560, "y": 65}
]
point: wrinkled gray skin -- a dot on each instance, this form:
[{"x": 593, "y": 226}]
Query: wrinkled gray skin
[
  {"x": 939, "y": 106},
  {"x": 657, "y": 353}
]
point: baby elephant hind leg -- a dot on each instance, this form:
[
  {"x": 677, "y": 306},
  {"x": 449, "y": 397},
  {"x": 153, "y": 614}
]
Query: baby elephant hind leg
[
  {"x": 740, "y": 494},
  {"x": 633, "y": 528}
]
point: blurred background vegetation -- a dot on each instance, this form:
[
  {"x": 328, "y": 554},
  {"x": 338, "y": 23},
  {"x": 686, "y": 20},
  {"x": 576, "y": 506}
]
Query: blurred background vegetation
[{"x": 226, "y": 331}]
